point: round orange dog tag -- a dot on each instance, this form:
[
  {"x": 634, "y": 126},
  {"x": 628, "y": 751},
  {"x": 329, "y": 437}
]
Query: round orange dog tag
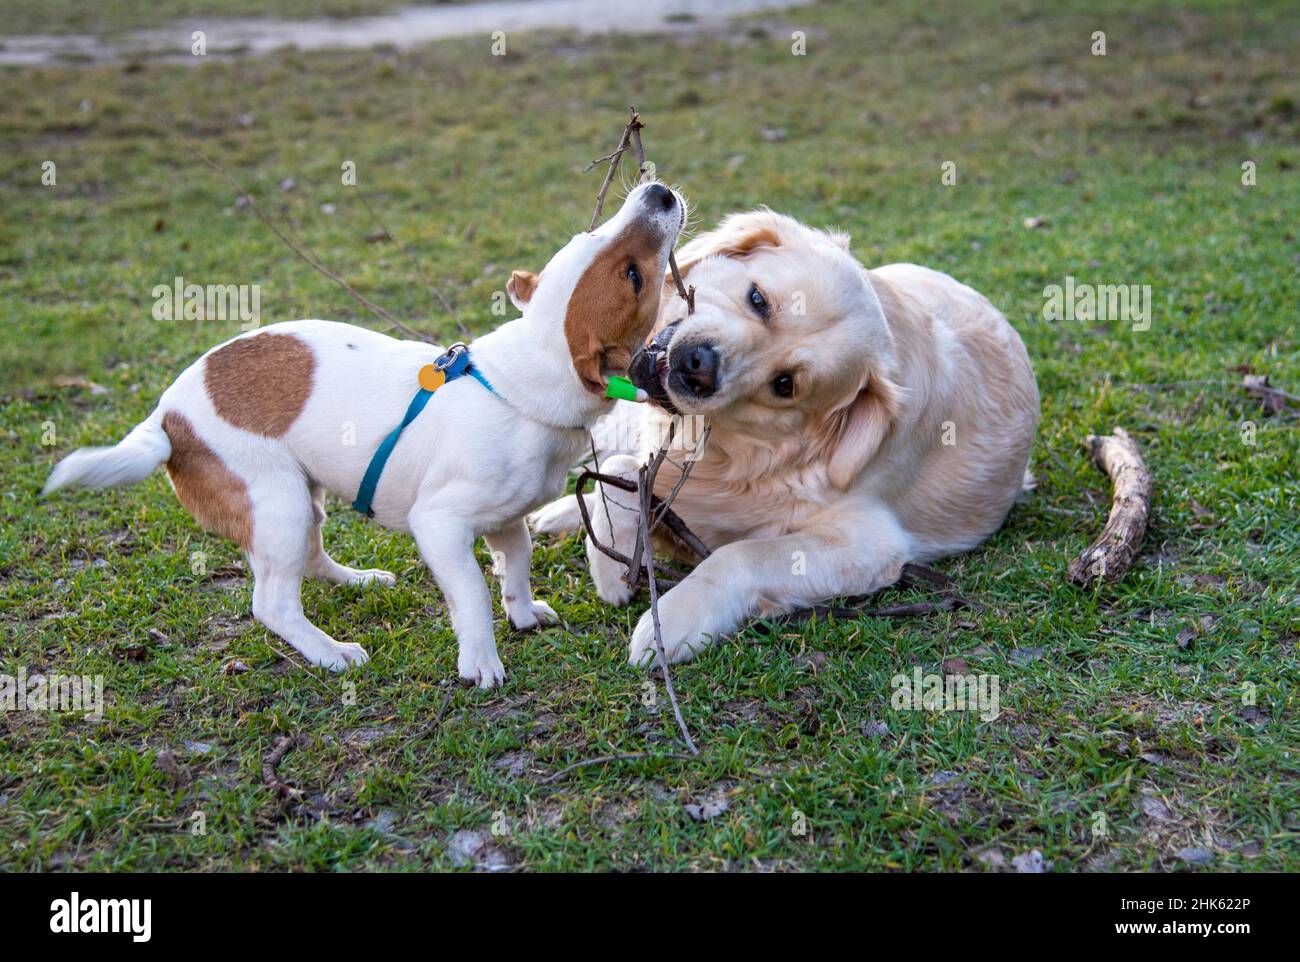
[{"x": 431, "y": 378}]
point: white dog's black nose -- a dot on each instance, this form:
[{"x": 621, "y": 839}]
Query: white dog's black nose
[
  {"x": 659, "y": 196},
  {"x": 696, "y": 369}
]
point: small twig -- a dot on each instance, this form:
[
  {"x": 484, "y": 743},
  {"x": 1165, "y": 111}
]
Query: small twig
[
  {"x": 1109, "y": 557},
  {"x": 643, "y": 545},
  {"x": 271, "y": 761},
  {"x": 633, "y": 128},
  {"x": 686, "y": 294},
  {"x": 681, "y": 480},
  {"x": 1275, "y": 399},
  {"x": 563, "y": 773},
  {"x": 912, "y": 576},
  {"x": 646, "y": 477},
  {"x": 671, "y": 520},
  {"x": 434, "y": 725},
  {"x": 415, "y": 262},
  {"x": 306, "y": 256}
]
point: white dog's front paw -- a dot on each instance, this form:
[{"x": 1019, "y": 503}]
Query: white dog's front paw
[
  {"x": 556, "y": 518},
  {"x": 530, "y": 614},
  {"x": 480, "y": 666},
  {"x": 681, "y": 634}
]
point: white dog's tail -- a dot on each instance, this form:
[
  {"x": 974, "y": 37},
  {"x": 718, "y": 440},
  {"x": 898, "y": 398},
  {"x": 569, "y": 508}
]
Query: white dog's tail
[{"x": 133, "y": 459}]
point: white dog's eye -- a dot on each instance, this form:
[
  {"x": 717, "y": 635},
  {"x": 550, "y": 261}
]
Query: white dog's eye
[
  {"x": 634, "y": 276},
  {"x": 783, "y": 386},
  {"x": 758, "y": 301}
]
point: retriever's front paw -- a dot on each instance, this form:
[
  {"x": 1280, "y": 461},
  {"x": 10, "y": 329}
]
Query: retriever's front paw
[
  {"x": 607, "y": 575},
  {"x": 480, "y": 666},
  {"x": 681, "y": 634},
  {"x": 527, "y": 615}
]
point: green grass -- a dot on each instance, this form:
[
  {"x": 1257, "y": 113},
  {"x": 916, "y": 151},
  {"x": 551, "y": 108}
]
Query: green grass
[{"x": 1134, "y": 160}]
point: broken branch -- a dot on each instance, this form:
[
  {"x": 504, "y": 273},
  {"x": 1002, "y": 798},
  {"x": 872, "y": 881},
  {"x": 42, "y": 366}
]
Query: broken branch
[
  {"x": 912, "y": 576},
  {"x": 1111, "y": 555},
  {"x": 271, "y": 761},
  {"x": 633, "y": 129},
  {"x": 563, "y": 773},
  {"x": 647, "y": 480},
  {"x": 669, "y": 518}
]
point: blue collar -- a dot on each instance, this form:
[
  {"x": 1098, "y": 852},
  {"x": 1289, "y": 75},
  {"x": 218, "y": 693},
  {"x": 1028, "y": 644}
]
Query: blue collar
[{"x": 452, "y": 364}]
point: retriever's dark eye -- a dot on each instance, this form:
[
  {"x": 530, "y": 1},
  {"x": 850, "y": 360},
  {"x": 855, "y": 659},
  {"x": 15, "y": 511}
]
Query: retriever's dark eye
[
  {"x": 783, "y": 386},
  {"x": 634, "y": 276},
  {"x": 758, "y": 301}
]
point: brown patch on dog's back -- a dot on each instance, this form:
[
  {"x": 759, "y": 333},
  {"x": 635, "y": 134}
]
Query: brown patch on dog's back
[
  {"x": 260, "y": 383},
  {"x": 209, "y": 490},
  {"x": 606, "y": 321}
]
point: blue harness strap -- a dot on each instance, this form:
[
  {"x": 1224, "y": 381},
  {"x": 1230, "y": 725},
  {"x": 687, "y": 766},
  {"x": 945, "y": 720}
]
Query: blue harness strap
[{"x": 448, "y": 367}]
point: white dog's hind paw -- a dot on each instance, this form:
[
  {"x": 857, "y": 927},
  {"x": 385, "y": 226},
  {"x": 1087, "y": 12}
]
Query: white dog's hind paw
[
  {"x": 480, "y": 667},
  {"x": 341, "y": 657},
  {"x": 558, "y": 517},
  {"x": 528, "y": 616},
  {"x": 373, "y": 576}
]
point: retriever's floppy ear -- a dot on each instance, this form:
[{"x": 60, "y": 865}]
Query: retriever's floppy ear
[
  {"x": 854, "y": 432},
  {"x": 739, "y": 235},
  {"x": 520, "y": 287}
]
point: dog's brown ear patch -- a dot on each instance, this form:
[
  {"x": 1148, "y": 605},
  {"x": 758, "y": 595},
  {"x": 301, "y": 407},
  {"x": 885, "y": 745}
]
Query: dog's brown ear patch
[
  {"x": 209, "y": 490},
  {"x": 520, "y": 287},
  {"x": 260, "y": 383},
  {"x": 606, "y": 320}
]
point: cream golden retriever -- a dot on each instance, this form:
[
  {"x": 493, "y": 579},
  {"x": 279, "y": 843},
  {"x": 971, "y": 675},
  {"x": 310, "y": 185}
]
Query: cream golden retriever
[{"x": 860, "y": 419}]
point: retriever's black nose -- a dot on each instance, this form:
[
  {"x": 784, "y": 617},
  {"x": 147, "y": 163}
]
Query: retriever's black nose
[
  {"x": 657, "y": 195},
  {"x": 697, "y": 369}
]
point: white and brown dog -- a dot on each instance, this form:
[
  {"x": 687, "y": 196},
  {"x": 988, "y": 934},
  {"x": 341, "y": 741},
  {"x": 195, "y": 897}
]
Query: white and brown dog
[
  {"x": 253, "y": 434},
  {"x": 859, "y": 420}
]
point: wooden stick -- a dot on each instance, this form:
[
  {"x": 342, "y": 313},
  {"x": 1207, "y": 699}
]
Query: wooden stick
[
  {"x": 646, "y": 477},
  {"x": 643, "y": 544},
  {"x": 633, "y": 127},
  {"x": 554, "y": 777},
  {"x": 271, "y": 761},
  {"x": 1275, "y": 399},
  {"x": 913, "y": 576},
  {"x": 671, "y": 520},
  {"x": 686, "y": 294},
  {"x": 1109, "y": 557}
]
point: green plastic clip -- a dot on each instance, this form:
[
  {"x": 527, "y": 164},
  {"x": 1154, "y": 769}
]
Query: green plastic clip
[{"x": 621, "y": 389}]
